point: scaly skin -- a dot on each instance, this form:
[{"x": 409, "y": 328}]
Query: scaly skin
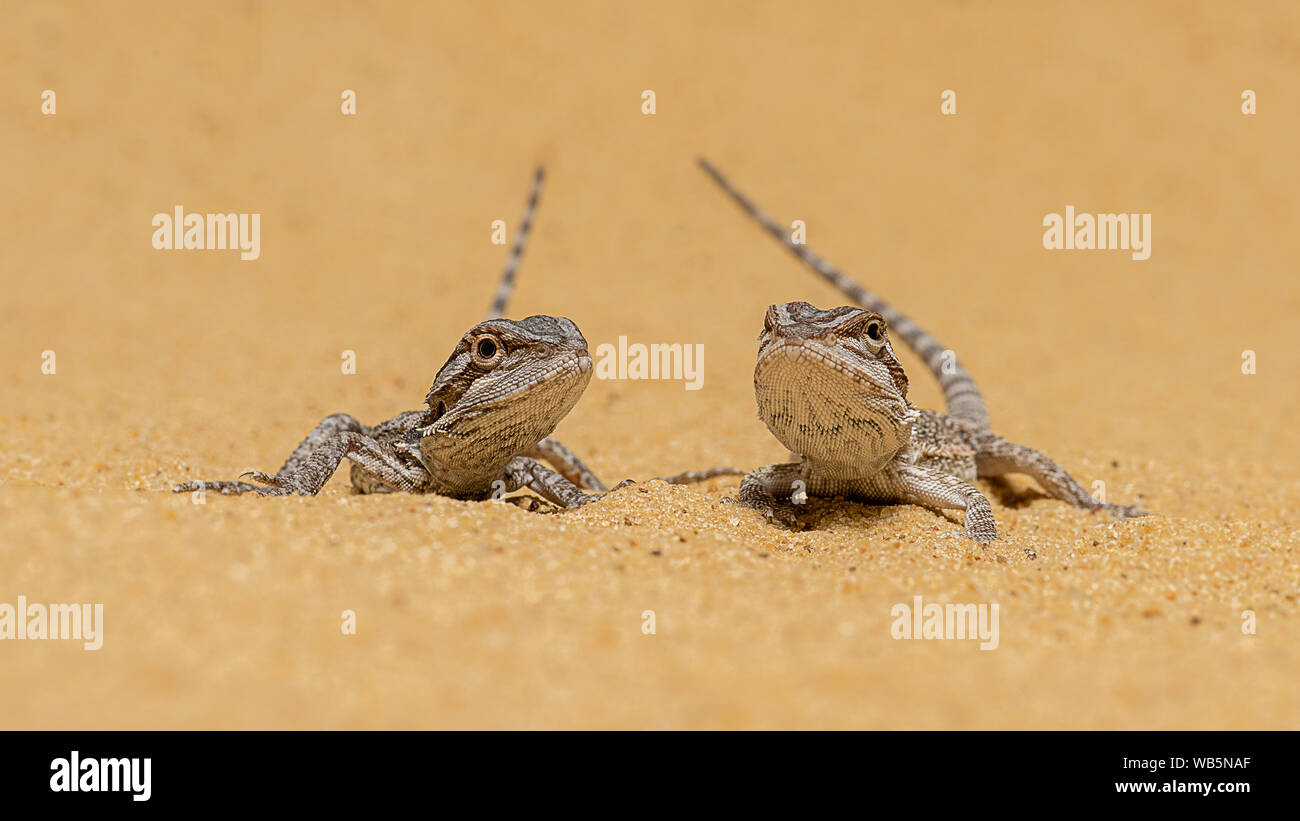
[
  {"x": 487, "y": 423},
  {"x": 830, "y": 388},
  {"x": 484, "y": 415},
  {"x": 959, "y": 445}
]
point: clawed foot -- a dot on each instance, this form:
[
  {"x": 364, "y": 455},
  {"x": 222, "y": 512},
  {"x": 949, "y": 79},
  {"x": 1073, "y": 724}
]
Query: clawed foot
[
  {"x": 783, "y": 515},
  {"x": 224, "y": 488},
  {"x": 980, "y": 537},
  {"x": 532, "y": 504},
  {"x": 1124, "y": 511},
  {"x": 588, "y": 498},
  {"x": 274, "y": 486},
  {"x": 787, "y": 517}
]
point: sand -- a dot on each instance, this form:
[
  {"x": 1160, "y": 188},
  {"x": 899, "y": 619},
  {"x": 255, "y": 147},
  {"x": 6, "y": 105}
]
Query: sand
[{"x": 173, "y": 365}]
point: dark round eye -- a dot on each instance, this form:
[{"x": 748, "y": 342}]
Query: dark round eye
[
  {"x": 487, "y": 350},
  {"x": 875, "y": 332}
]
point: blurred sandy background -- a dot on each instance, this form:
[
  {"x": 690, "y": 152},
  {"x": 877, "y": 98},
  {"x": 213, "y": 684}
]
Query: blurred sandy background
[{"x": 375, "y": 238}]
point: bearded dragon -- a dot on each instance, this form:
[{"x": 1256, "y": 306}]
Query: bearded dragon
[
  {"x": 486, "y": 424},
  {"x": 830, "y": 388}
]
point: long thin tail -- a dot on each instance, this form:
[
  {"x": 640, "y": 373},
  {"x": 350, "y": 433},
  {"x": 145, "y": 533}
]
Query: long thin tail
[
  {"x": 507, "y": 286},
  {"x": 959, "y": 390}
]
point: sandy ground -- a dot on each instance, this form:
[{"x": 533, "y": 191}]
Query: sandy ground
[{"x": 375, "y": 239}]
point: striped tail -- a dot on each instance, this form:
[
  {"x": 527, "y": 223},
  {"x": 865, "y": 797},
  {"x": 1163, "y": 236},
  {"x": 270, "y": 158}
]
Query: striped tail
[
  {"x": 959, "y": 390},
  {"x": 507, "y": 287}
]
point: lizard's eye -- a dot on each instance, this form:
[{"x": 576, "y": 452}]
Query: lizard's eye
[
  {"x": 875, "y": 331},
  {"x": 487, "y": 350}
]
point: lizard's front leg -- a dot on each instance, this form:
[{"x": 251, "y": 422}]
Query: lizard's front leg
[
  {"x": 310, "y": 473},
  {"x": 525, "y": 471},
  {"x": 377, "y": 458},
  {"x": 772, "y": 490},
  {"x": 923, "y": 486},
  {"x": 995, "y": 456},
  {"x": 328, "y": 428}
]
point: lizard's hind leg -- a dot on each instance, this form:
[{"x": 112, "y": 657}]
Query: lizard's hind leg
[
  {"x": 995, "y": 456},
  {"x": 571, "y": 467},
  {"x": 567, "y": 463},
  {"x": 525, "y": 471}
]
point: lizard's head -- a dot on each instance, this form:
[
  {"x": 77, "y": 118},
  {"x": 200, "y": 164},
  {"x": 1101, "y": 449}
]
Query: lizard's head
[
  {"x": 829, "y": 386},
  {"x": 507, "y": 385}
]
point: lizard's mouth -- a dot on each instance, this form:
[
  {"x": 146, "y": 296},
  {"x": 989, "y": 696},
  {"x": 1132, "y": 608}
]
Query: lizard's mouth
[
  {"x": 548, "y": 394},
  {"x": 832, "y": 410},
  {"x": 797, "y": 359}
]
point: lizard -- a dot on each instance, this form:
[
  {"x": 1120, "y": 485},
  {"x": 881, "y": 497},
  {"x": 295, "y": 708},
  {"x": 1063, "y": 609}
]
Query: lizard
[
  {"x": 830, "y": 388},
  {"x": 485, "y": 426}
]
